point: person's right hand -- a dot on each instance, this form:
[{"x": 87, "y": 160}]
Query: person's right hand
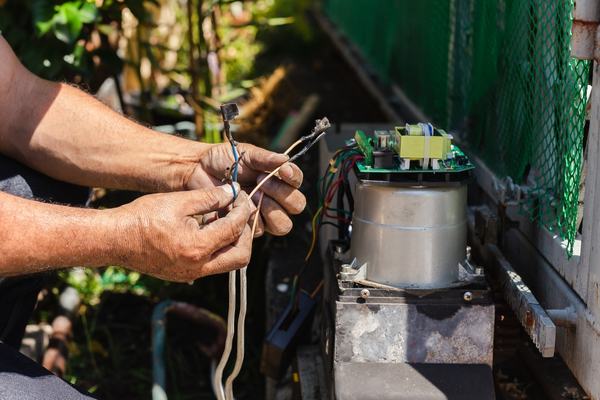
[{"x": 163, "y": 239}]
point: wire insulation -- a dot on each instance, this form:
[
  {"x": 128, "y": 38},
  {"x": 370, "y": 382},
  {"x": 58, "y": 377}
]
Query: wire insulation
[
  {"x": 226, "y": 393},
  {"x": 218, "y": 377},
  {"x": 239, "y": 359}
]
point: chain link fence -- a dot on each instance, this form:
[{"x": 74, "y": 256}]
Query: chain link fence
[{"x": 499, "y": 71}]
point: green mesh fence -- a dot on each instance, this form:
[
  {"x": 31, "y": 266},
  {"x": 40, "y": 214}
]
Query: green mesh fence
[{"x": 499, "y": 71}]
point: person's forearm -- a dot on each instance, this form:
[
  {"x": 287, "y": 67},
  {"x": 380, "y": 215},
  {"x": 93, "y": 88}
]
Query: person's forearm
[
  {"x": 77, "y": 139},
  {"x": 36, "y": 236},
  {"x": 67, "y": 134}
]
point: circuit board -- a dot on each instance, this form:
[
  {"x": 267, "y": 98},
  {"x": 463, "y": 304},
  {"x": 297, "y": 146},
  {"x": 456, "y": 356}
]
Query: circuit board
[{"x": 454, "y": 168}]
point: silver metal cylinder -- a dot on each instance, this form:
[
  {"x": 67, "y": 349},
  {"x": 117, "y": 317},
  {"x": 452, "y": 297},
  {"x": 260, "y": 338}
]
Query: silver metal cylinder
[{"x": 410, "y": 236}]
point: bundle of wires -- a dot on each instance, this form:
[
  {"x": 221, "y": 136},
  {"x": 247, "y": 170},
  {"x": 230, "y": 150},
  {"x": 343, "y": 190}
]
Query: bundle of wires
[
  {"x": 335, "y": 181},
  {"x": 333, "y": 185},
  {"x": 229, "y": 111}
]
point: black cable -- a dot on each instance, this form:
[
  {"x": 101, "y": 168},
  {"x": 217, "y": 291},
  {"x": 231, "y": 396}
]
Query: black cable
[
  {"x": 348, "y": 191},
  {"x": 340, "y": 208},
  {"x": 330, "y": 223}
]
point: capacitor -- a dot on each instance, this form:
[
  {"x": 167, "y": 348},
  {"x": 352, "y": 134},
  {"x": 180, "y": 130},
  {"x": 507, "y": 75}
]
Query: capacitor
[{"x": 383, "y": 140}]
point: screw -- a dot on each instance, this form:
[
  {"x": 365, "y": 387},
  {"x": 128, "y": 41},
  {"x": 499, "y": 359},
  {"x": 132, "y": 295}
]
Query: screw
[
  {"x": 364, "y": 293},
  {"x": 468, "y": 296}
]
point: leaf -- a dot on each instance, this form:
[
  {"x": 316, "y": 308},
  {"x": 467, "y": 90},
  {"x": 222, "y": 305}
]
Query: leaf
[
  {"x": 78, "y": 53},
  {"x": 43, "y": 27},
  {"x": 67, "y": 22},
  {"x": 88, "y": 13}
]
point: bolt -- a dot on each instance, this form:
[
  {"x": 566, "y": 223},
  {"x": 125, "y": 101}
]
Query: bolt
[
  {"x": 364, "y": 293},
  {"x": 468, "y": 296},
  {"x": 346, "y": 269}
]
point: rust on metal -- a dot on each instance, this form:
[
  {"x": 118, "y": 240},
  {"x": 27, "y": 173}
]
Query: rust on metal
[{"x": 586, "y": 17}]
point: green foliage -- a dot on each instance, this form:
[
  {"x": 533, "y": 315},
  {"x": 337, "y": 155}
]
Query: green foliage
[
  {"x": 90, "y": 283},
  {"x": 65, "y": 21},
  {"x": 240, "y": 53},
  {"x": 58, "y": 39},
  {"x": 296, "y": 12}
]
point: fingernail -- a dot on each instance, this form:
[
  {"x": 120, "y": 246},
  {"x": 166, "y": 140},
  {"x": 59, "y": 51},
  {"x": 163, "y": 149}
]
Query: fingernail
[
  {"x": 228, "y": 188},
  {"x": 287, "y": 171}
]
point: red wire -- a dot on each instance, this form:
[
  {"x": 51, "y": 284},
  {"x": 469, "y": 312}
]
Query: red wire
[
  {"x": 335, "y": 186},
  {"x": 332, "y": 190}
]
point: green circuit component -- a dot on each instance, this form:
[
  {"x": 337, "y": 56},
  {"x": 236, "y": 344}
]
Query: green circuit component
[
  {"x": 365, "y": 146},
  {"x": 412, "y": 157},
  {"x": 412, "y": 144},
  {"x": 458, "y": 162}
]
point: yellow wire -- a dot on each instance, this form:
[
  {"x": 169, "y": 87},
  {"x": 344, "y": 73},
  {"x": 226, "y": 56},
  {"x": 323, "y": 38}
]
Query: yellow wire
[{"x": 314, "y": 234}]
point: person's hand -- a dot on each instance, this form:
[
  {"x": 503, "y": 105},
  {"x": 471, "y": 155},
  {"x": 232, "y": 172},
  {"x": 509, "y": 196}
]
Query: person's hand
[
  {"x": 162, "y": 238},
  {"x": 282, "y": 196}
]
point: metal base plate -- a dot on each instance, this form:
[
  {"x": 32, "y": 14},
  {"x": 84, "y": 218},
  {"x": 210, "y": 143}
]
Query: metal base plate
[{"x": 382, "y": 381}]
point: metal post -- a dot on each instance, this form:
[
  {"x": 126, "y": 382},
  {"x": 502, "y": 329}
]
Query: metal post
[
  {"x": 591, "y": 220},
  {"x": 585, "y": 45},
  {"x": 586, "y": 16}
]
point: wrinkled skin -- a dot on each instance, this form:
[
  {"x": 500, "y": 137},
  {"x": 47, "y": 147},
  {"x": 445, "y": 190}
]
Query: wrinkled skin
[
  {"x": 47, "y": 126},
  {"x": 167, "y": 242},
  {"x": 282, "y": 197}
]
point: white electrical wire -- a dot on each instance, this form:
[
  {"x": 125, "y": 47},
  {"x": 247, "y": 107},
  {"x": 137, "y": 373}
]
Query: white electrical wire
[
  {"x": 229, "y": 112},
  {"x": 226, "y": 393},
  {"x": 239, "y": 358},
  {"x": 218, "y": 377}
]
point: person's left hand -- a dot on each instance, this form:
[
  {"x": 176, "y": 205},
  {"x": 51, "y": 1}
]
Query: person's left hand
[{"x": 282, "y": 196}]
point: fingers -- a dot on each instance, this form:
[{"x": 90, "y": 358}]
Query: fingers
[
  {"x": 234, "y": 256},
  {"x": 256, "y": 218},
  {"x": 207, "y": 200},
  {"x": 260, "y": 227},
  {"x": 260, "y": 224},
  {"x": 276, "y": 219},
  {"x": 291, "y": 199},
  {"x": 259, "y": 160},
  {"x": 227, "y": 229},
  {"x": 291, "y": 174}
]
